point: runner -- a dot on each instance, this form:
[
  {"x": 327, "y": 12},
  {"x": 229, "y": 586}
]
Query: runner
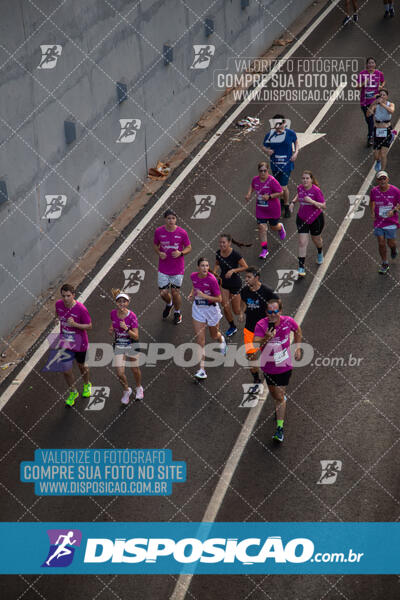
[
  {"x": 268, "y": 207},
  {"x": 389, "y": 9},
  {"x": 310, "y": 218},
  {"x": 385, "y": 206},
  {"x": 124, "y": 328},
  {"x": 370, "y": 81},
  {"x": 171, "y": 244},
  {"x": 75, "y": 322},
  {"x": 254, "y": 298},
  {"x": 347, "y": 19},
  {"x": 273, "y": 335},
  {"x": 282, "y": 146},
  {"x": 230, "y": 263},
  {"x": 382, "y": 111},
  {"x": 205, "y": 295}
]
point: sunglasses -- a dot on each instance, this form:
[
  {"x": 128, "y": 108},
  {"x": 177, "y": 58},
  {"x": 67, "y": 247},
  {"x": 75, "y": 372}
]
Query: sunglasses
[
  {"x": 262, "y": 170},
  {"x": 273, "y": 312}
]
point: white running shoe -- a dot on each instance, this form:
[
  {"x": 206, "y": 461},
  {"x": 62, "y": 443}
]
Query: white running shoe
[
  {"x": 222, "y": 346},
  {"x": 126, "y": 395},
  {"x": 201, "y": 374},
  {"x": 139, "y": 393}
]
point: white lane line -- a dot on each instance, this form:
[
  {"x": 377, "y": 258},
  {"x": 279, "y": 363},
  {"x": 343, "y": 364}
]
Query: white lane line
[{"x": 12, "y": 388}]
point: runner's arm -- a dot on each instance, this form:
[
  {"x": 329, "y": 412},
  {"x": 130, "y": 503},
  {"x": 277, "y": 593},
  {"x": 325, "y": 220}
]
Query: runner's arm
[
  {"x": 372, "y": 207},
  {"x": 243, "y": 266},
  {"x": 134, "y": 333},
  {"x": 249, "y": 193},
  {"x": 296, "y": 151},
  {"x": 297, "y": 337}
]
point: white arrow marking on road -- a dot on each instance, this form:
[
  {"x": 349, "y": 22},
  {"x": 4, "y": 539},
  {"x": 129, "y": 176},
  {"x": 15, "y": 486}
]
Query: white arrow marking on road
[{"x": 308, "y": 137}]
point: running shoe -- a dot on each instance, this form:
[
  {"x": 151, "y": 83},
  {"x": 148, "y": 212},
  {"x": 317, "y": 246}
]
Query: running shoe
[
  {"x": 346, "y": 20},
  {"x": 256, "y": 378},
  {"x": 282, "y": 232},
  {"x": 383, "y": 269},
  {"x": 393, "y": 252},
  {"x": 386, "y": 15},
  {"x": 166, "y": 311},
  {"x": 320, "y": 258},
  {"x": 264, "y": 253},
  {"x": 230, "y": 331},
  {"x": 377, "y": 166},
  {"x": 70, "y": 401},
  {"x": 391, "y": 12},
  {"x": 301, "y": 272},
  {"x": 201, "y": 374},
  {"x": 355, "y": 17},
  {"x": 125, "y": 396},
  {"x": 139, "y": 393},
  {"x": 222, "y": 346},
  {"x": 177, "y": 318},
  {"x": 87, "y": 390},
  {"x": 287, "y": 214},
  {"x": 278, "y": 435}
]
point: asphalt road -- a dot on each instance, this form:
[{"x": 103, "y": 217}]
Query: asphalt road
[{"x": 344, "y": 413}]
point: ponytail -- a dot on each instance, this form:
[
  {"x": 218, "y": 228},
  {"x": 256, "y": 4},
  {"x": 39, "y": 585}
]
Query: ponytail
[
  {"x": 115, "y": 292},
  {"x": 236, "y": 242}
]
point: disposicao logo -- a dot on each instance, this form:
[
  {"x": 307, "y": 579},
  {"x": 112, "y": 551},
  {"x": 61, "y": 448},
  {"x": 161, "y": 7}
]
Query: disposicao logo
[
  {"x": 189, "y": 550},
  {"x": 62, "y": 547}
]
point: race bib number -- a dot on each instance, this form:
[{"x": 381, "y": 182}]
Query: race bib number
[
  {"x": 201, "y": 302},
  {"x": 123, "y": 342},
  {"x": 68, "y": 336},
  {"x": 261, "y": 201},
  {"x": 381, "y": 132},
  {"x": 281, "y": 357},
  {"x": 384, "y": 210},
  {"x": 370, "y": 94},
  {"x": 280, "y": 159}
]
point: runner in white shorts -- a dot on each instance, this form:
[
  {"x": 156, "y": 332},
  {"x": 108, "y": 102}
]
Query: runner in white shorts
[
  {"x": 124, "y": 328},
  {"x": 171, "y": 244},
  {"x": 205, "y": 295}
]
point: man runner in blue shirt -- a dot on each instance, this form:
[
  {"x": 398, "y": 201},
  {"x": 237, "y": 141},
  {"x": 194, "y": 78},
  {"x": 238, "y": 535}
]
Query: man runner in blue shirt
[{"x": 282, "y": 147}]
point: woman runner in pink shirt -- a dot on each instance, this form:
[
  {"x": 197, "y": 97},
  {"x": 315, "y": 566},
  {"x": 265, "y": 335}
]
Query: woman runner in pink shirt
[
  {"x": 268, "y": 206},
  {"x": 205, "y": 295},
  {"x": 310, "y": 218},
  {"x": 124, "y": 328}
]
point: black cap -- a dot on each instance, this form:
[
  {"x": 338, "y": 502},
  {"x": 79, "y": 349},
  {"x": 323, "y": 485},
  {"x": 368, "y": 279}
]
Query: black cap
[{"x": 168, "y": 212}]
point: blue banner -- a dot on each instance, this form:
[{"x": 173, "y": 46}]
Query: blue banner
[{"x": 202, "y": 548}]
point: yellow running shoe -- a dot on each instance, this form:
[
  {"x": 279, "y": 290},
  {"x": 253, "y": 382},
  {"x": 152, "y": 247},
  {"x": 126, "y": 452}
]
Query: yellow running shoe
[
  {"x": 87, "y": 390},
  {"x": 70, "y": 401}
]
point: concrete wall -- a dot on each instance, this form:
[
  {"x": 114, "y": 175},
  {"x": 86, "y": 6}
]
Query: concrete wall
[{"x": 103, "y": 41}]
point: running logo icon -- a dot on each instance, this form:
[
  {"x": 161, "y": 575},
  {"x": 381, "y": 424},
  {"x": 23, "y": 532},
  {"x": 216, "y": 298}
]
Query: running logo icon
[
  {"x": 204, "y": 205},
  {"x": 50, "y": 56},
  {"x": 129, "y": 127},
  {"x": 202, "y": 56},
  {"x": 62, "y": 547},
  {"x": 358, "y": 205},
  {"x": 330, "y": 470},
  {"x": 251, "y": 394},
  {"x": 133, "y": 279},
  {"x": 287, "y": 279},
  {"x": 54, "y": 206},
  {"x": 98, "y": 398}
]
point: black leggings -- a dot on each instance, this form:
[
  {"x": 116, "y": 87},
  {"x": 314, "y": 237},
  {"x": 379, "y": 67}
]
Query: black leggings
[{"x": 369, "y": 120}]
